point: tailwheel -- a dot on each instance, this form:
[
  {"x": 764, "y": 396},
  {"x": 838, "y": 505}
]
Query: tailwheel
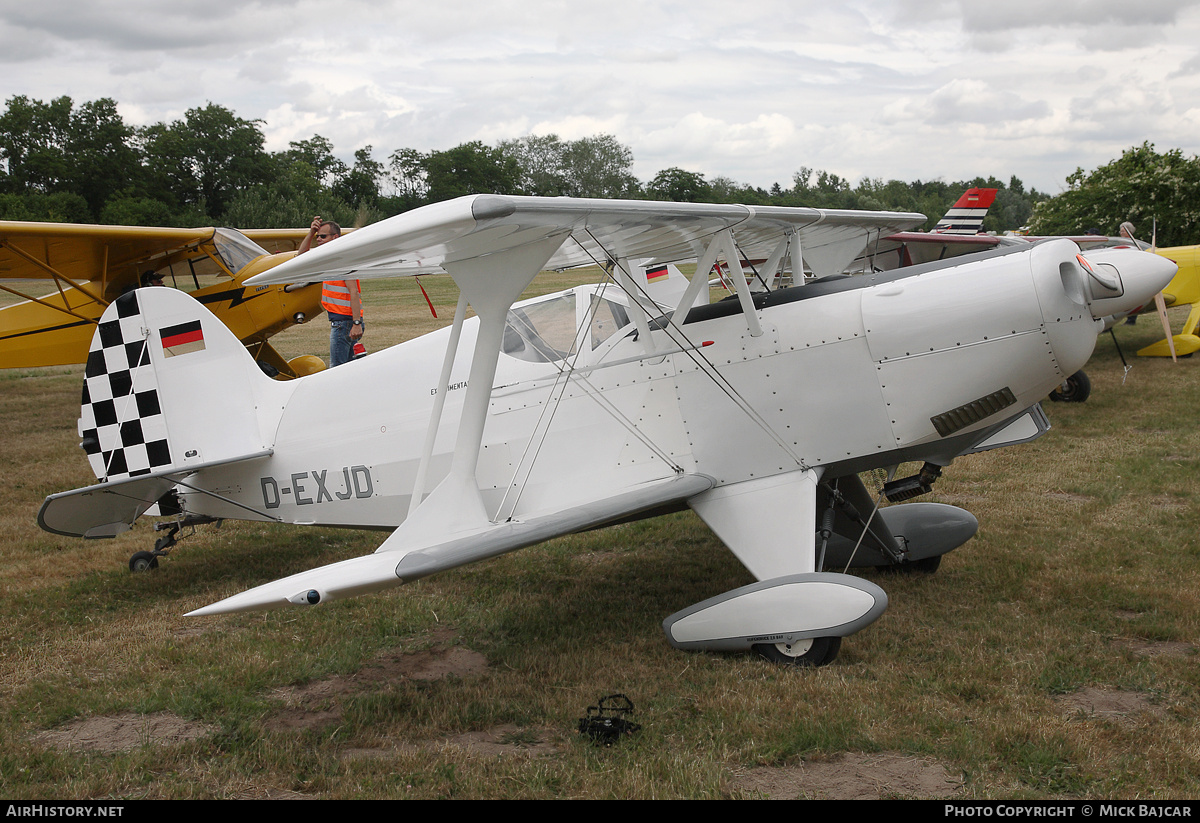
[
  {"x": 143, "y": 562},
  {"x": 809, "y": 653}
]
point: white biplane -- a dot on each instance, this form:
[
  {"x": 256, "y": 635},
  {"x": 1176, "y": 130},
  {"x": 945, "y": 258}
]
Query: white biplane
[{"x": 610, "y": 402}]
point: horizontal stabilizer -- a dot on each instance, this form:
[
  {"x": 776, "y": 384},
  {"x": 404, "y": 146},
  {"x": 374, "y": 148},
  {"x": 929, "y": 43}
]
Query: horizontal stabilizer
[
  {"x": 109, "y": 509},
  {"x": 393, "y": 565}
]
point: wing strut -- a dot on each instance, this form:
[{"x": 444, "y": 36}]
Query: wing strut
[
  {"x": 625, "y": 281},
  {"x": 435, "y": 418},
  {"x": 59, "y": 278},
  {"x": 456, "y": 505},
  {"x": 732, "y": 259},
  {"x": 772, "y": 270},
  {"x": 674, "y": 331},
  {"x": 32, "y": 299}
]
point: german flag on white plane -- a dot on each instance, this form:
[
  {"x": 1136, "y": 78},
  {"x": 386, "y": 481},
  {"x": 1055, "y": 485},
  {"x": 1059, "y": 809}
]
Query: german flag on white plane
[{"x": 182, "y": 339}]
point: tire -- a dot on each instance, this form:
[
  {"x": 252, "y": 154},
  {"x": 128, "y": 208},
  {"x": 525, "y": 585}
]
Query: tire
[
  {"x": 821, "y": 651},
  {"x": 1075, "y": 390},
  {"x": 143, "y": 562}
]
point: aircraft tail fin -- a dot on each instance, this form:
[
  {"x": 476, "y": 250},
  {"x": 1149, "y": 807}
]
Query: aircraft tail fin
[
  {"x": 664, "y": 283},
  {"x": 966, "y": 215},
  {"x": 168, "y": 386}
]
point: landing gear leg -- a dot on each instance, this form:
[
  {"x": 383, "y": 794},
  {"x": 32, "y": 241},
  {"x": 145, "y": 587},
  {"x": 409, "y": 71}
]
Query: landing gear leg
[{"x": 146, "y": 561}]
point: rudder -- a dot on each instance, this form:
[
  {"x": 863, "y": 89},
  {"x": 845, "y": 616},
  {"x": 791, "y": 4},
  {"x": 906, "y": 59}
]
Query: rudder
[{"x": 167, "y": 385}]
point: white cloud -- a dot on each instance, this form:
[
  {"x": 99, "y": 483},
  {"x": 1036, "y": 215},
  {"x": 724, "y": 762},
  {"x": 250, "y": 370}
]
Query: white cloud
[{"x": 918, "y": 89}]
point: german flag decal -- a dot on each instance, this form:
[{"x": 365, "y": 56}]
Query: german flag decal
[
  {"x": 657, "y": 273},
  {"x": 181, "y": 339}
]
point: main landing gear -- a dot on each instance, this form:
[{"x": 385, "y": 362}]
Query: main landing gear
[
  {"x": 808, "y": 653},
  {"x": 147, "y": 561}
]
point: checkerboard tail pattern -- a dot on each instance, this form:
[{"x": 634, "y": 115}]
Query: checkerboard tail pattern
[{"x": 120, "y": 420}]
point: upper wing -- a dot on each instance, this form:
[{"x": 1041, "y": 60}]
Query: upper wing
[
  {"x": 483, "y": 225},
  {"x": 35, "y": 251}
]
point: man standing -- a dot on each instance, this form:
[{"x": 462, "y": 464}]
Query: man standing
[{"x": 341, "y": 299}]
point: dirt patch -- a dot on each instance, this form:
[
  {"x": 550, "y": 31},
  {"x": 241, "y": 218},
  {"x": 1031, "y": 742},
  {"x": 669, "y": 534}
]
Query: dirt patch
[
  {"x": 1116, "y": 704},
  {"x": 314, "y": 705},
  {"x": 123, "y": 732},
  {"x": 500, "y": 742},
  {"x": 889, "y": 775},
  {"x": 1152, "y": 648}
]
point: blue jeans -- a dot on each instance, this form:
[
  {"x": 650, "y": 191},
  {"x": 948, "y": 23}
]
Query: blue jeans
[{"x": 341, "y": 347}]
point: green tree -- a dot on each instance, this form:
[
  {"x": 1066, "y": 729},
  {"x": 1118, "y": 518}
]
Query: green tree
[
  {"x": 130, "y": 209},
  {"x": 317, "y": 156},
  {"x": 33, "y": 138},
  {"x": 1141, "y": 186},
  {"x": 598, "y": 166},
  {"x": 206, "y": 158},
  {"x": 56, "y": 207},
  {"x": 405, "y": 178},
  {"x": 359, "y": 185},
  {"x": 289, "y": 200},
  {"x": 55, "y": 148},
  {"x": 539, "y": 159},
  {"x": 470, "y": 168},
  {"x": 679, "y": 186},
  {"x": 103, "y": 155}
]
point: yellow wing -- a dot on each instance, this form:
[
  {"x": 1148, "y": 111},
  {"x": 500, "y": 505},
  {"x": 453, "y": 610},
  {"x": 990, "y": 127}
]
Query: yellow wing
[{"x": 85, "y": 267}]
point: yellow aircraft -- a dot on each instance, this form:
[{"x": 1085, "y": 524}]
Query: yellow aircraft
[
  {"x": 1183, "y": 290},
  {"x": 90, "y": 266}
]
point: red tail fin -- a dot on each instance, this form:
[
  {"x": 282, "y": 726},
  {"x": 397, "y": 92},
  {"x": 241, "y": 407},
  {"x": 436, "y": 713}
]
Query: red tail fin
[{"x": 966, "y": 216}]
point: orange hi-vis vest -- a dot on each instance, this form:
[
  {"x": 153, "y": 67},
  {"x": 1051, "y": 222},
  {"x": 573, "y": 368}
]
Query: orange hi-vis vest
[{"x": 335, "y": 296}]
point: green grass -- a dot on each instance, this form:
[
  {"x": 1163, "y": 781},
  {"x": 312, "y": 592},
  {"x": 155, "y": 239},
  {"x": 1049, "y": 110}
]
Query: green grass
[{"x": 1087, "y": 547}]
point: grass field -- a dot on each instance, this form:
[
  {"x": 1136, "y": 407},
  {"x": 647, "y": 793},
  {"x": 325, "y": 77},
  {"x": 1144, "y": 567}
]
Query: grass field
[{"x": 1053, "y": 656}]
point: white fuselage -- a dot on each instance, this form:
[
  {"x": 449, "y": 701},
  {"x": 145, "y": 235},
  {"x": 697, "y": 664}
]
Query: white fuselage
[{"x": 849, "y": 376}]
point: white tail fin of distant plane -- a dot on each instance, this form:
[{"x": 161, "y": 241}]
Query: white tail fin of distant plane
[{"x": 966, "y": 216}]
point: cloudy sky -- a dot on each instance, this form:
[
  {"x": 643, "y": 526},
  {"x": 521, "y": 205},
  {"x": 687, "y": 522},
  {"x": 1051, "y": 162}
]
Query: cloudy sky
[{"x": 752, "y": 90}]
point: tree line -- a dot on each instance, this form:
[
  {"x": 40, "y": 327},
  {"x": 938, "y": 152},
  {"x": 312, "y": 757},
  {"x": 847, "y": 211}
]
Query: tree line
[{"x": 67, "y": 163}]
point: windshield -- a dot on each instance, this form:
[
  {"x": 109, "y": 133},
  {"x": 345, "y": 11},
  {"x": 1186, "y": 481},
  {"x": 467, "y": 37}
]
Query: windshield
[
  {"x": 547, "y": 331},
  {"x": 543, "y": 332},
  {"x": 236, "y": 249}
]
